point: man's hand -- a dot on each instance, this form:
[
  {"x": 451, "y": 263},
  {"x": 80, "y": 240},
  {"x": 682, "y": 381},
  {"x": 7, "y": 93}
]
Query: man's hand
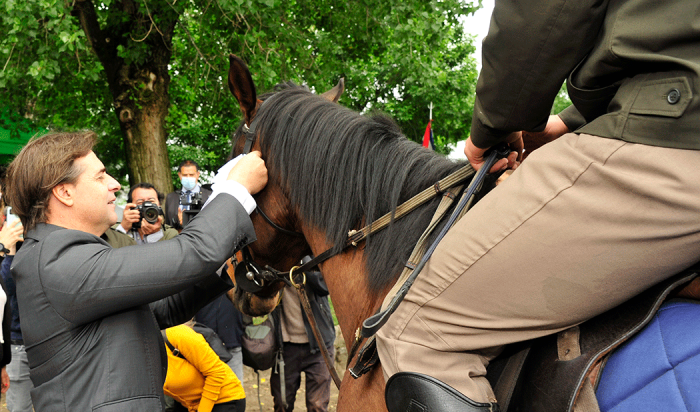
[
  {"x": 476, "y": 154},
  {"x": 554, "y": 129},
  {"x": 130, "y": 216},
  {"x": 10, "y": 235},
  {"x": 4, "y": 380},
  {"x": 150, "y": 228},
  {"x": 251, "y": 172}
]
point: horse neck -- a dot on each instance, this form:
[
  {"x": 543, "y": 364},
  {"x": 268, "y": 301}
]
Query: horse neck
[{"x": 346, "y": 277}]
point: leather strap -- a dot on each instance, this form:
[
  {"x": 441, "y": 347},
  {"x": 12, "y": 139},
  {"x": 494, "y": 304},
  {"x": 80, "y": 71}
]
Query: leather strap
[
  {"x": 505, "y": 386},
  {"x": 170, "y": 346},
  {"x": 586, "y": 401},
  {"x": 301, "y": 291},
  {"x": 366, "y": 359},
  {"x": 372, "y": 324},
  {"x": 357, "y": 236}
]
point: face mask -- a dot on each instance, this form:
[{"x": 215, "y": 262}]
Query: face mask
[{"x": 188, "y": 183}]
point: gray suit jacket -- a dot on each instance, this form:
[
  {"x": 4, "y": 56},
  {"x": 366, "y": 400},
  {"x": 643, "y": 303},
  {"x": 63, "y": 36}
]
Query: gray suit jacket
[{"x": 91, "y": 314}]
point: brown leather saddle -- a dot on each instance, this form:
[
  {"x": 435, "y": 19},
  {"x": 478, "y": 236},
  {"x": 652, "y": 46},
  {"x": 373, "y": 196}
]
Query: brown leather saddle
[{"x": 551, "y": 373}]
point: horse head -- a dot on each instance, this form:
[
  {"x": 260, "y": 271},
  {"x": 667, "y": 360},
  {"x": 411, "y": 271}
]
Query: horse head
[{"x": 280, "y": 243}]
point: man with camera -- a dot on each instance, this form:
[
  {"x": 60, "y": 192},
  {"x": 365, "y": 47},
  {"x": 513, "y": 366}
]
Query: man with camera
[
  {"x": 181, "y": 205},
  {"x": 143, "y": 216},
  {"x": 92, "y": 314}
]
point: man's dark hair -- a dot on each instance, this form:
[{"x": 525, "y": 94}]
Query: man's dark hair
[
  {"x": 187, "y": 162},
  {"x": 44, "y": 163},
  {"x": 144, "y": 185}
]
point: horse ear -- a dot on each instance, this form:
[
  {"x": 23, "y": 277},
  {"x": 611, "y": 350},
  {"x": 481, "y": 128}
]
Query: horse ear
[
  {"x": 334, "y": 93},
  {"x": 240, "y": 82}
]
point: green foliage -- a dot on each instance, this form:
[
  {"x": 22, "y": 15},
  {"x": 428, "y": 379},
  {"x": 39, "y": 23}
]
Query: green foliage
[
  {"x": 562, "y": 100},
  {"x": 396, "y": 56}
]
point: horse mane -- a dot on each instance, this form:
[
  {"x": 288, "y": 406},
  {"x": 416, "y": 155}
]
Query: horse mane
[{"x": 342, "y": 169}]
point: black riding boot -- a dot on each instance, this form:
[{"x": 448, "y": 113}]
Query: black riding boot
[{"x": 415, "y": 392}]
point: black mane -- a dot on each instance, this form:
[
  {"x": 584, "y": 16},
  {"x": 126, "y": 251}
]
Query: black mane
[{"x": 341, "y": 169}]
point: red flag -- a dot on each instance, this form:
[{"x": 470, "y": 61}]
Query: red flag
[{"x": 428, "y": 136}]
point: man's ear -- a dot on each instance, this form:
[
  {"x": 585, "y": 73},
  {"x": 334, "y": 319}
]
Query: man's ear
[{"x": 64, "y": 193}]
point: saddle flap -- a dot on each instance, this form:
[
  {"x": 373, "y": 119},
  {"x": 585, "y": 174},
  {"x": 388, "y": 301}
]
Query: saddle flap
[{"x": 552, "y": 378}]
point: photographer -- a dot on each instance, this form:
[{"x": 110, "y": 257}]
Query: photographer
[
  {"x": 138, "y": 220},
  {"x": 181, "y": 205}
]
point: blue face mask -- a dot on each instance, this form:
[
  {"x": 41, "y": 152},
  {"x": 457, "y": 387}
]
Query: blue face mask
[{"x": 188, "y": 183}]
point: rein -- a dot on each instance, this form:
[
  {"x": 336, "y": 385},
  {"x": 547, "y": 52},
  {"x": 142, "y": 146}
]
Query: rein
[{"x": 354, "y": 237}]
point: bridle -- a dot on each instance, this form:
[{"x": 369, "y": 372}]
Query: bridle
[{"x": 250, "y": 277}]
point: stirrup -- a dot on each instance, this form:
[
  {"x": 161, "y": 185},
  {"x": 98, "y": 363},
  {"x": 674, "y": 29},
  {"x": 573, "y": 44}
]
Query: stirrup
[{"x": 415, "y": 392}]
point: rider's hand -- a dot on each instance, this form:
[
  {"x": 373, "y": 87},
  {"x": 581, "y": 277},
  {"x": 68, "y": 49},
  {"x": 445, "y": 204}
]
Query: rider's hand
[
  {"x": 250, "y": 171},
  {"x": 476, "y": 154},
  {"x": 554, "y": 129}
]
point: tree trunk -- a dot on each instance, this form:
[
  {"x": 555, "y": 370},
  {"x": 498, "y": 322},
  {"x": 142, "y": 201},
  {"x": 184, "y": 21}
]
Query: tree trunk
[
  {"x": 139, "y": 90},
  {"x": 141, "y": 120}
]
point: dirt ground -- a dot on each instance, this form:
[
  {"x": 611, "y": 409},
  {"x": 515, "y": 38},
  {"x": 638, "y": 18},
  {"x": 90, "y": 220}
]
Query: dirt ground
[
  {"x": 265, "y": 403},
  {"x": 250, "y": 383}
]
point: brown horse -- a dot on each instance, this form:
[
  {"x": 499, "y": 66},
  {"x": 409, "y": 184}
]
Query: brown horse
[{"x": 332, "y": 170}]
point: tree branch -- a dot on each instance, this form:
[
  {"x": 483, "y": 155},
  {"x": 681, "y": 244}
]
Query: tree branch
[
  {"x": 9, "y": 57},
  {"x": 84, "y": 10}
]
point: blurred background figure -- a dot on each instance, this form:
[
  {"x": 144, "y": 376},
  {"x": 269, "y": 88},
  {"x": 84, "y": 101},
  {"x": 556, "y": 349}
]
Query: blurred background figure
[
  {"x": 143, "y": 204},
  {"x": 197, "y": 379},
  {"x": 14, "y": 376},
  {"x": 301, "y": 352},
  {"x": 223, "y": 318},
  {"x": 181, "y": 205}
]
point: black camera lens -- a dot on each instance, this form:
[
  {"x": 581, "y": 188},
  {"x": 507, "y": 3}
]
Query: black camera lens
[{"x": 151, "y": 215}]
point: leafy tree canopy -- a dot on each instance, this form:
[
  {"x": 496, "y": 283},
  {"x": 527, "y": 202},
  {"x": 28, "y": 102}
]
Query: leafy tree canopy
[{"x": 59, "y": 67}]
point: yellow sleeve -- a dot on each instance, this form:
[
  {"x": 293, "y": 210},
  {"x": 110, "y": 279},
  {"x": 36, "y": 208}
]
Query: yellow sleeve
[{"x": 197, "y": 351}]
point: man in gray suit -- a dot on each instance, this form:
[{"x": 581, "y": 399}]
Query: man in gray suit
[{"x": 92, "y": 314}]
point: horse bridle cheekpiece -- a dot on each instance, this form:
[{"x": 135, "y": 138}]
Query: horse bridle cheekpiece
[{"x": 250, "y": 277}]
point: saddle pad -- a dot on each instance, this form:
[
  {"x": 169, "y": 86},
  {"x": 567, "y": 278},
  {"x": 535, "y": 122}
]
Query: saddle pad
[{"x": 659, "y": 368}]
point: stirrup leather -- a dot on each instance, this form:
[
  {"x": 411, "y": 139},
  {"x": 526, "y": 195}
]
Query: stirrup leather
[{"x": 415, "y": 392}]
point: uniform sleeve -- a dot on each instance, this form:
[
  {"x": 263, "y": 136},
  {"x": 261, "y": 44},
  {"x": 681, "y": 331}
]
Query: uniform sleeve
[{"x": 531, "y": 47}]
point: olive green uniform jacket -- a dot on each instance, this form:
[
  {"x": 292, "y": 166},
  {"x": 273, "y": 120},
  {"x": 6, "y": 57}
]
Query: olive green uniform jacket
[{"x": 632, "y": 69}]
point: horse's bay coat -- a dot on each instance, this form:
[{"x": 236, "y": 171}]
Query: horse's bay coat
[{"x": 91, "y": 314}]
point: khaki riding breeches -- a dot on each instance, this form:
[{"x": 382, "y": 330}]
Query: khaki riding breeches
[{"x": 581, "y": 226}]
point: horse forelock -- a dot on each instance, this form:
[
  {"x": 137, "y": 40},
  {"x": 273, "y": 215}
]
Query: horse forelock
[{"x": 340, "y": 169}]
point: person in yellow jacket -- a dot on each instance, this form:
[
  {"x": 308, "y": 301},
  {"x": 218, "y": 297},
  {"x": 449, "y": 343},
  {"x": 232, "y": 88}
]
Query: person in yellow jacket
[{"x": 198, "y": 379}]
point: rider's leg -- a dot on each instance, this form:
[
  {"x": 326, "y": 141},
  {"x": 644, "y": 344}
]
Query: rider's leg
[{"x": 584, "y": 224}]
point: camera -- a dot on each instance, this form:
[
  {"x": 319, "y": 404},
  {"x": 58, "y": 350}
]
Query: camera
[
  {"x": 191, "y": 204},
  {"x": 191, "y": 201},
  {"x": 149, "y": 211}
]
